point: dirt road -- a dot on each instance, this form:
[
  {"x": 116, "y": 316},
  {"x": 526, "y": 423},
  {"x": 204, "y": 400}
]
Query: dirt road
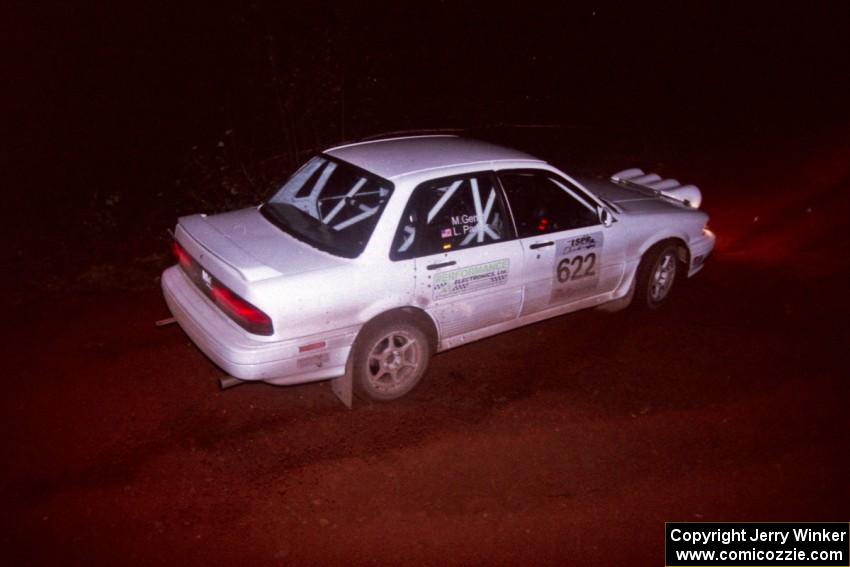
[{"x": 568, "y": 441}]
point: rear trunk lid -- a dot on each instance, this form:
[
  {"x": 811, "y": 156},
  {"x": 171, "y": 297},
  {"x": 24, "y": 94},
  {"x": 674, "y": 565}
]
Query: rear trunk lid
[{"x": 255, "y": 248}]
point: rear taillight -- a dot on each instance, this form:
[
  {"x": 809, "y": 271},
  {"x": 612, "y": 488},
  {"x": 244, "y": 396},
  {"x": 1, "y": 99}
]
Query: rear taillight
[
  {"x": 240, "y": 311},
  {"x": 180, "y": 254},
  {"x": 246, "y": 315}
]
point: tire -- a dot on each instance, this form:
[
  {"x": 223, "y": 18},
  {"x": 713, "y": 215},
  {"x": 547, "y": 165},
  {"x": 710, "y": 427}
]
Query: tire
[
  {"x": 656, "y": 275},
  {"x": 390, "y": 358}
]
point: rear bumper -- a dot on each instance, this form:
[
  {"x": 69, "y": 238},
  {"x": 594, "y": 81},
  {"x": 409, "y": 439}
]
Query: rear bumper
[
  {"x": 241, "y": 355},
  {"x": 701, "y": 248}
]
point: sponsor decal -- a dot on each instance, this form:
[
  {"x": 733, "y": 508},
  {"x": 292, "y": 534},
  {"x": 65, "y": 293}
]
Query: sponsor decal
[
  {"x": 471, "y": 278},
  {"x": 576, "y": 266},
  {"x": 567, "y": 246}
]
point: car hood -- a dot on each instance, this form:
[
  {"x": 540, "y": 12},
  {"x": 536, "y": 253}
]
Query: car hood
[
  {"x": 628, "y": 200},
  {"x": 247, "y": 242}
]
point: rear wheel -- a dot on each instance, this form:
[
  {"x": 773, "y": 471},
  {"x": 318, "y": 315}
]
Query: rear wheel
[
  {"x": 656, "y": 275},
  {"x": 390, "y": 359}
]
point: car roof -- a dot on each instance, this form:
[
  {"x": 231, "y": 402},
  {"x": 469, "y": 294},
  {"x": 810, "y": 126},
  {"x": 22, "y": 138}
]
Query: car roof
[{"x": 394, "y": 157}]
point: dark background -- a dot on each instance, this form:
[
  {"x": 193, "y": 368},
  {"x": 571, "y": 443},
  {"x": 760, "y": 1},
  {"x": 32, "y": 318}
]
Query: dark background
[
  {"x": 570, "y": 441},
  {"x": 123, "y": 116}
]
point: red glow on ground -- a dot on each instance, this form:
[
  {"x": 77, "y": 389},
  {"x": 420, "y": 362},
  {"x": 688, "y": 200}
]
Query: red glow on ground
[{"x": 798, "y": 214}]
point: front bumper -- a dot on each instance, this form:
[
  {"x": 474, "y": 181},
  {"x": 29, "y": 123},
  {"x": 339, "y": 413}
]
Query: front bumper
[{"x": 242, "y": 356}]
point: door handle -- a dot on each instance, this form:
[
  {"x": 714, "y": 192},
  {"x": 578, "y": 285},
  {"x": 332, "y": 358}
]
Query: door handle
[
  {"x": 537, "y": 245},
  {"x": 440, "y": 265}
]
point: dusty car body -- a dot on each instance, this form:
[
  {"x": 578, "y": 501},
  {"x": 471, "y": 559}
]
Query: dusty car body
[{"x": 375, "y": 255}]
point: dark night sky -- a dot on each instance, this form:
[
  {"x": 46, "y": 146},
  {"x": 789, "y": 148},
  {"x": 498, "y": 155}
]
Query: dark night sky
[{"x": 117, "y": 96}]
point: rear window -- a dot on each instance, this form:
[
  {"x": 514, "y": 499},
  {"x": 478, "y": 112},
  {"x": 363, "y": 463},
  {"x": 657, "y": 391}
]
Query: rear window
[{"x": 331, "y": 205}]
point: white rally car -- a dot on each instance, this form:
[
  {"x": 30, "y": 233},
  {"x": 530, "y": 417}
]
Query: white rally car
[{"x": 374, "y": 256}]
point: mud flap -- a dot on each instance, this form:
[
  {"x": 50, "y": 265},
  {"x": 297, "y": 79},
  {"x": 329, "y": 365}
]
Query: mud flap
[
  {"x": 226, "y": 382},
  {"x": 622, "y": 303},
  {"x": 343, "y": 387}
]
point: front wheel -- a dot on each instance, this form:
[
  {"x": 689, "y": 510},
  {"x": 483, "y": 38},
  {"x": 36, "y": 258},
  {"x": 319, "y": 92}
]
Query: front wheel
[
  {"x": 389, "y": 360},
  {"x": 656, "y": 275}
]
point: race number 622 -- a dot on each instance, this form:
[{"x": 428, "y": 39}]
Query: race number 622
[{"x": 576, "y": 267}]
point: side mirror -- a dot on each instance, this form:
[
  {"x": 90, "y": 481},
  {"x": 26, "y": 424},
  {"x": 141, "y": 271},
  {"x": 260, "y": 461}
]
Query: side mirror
[{"x": 605, "y": 217}]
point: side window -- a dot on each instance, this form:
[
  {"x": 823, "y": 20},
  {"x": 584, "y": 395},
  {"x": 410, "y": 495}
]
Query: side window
[
  {"x": 543, "y": 203},
  {"x": 450, "y": 214}
]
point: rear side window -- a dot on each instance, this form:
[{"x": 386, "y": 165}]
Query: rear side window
[
  {"x": 542, "y": 203},
  {"x": 450, "y": 214}
]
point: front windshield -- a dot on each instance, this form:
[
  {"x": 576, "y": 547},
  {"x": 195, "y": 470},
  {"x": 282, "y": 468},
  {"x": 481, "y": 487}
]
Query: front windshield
[{"x": 330, "y": 204}]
